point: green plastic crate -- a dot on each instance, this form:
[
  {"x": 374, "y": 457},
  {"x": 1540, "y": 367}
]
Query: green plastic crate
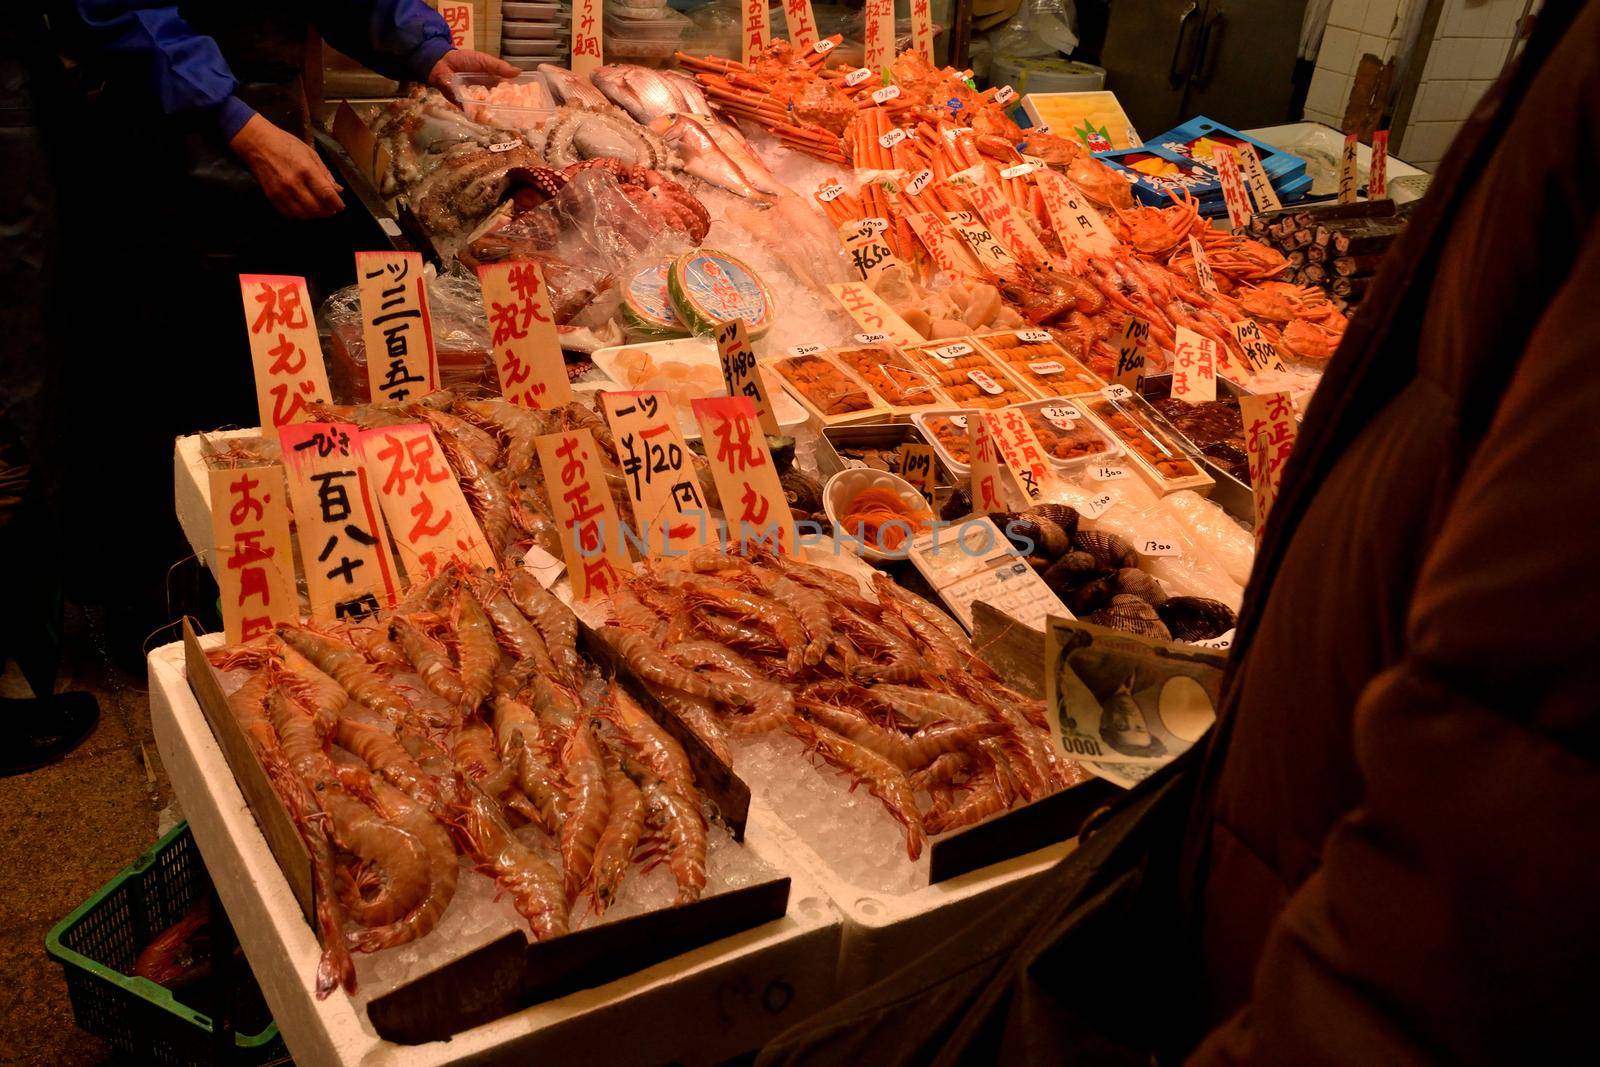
[{"x": 97, "y": 944}]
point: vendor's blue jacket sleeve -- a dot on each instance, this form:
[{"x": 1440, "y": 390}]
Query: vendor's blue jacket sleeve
[{"x": 190, "y": 78}]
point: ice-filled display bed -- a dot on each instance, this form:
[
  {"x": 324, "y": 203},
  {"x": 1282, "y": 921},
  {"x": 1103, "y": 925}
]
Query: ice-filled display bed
[{"x": 701, "y": 1006}]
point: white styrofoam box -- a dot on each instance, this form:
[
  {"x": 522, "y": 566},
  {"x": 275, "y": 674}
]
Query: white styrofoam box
[
  {"x": 1350, "y": 14},
  {"x": 1338, "y": 51},
  {"x": 884, "y": 930},
  {"x": 702, "y": 1007},
  {"x": 191, "y": 487},
  {"x": 1329, "y": 91}
]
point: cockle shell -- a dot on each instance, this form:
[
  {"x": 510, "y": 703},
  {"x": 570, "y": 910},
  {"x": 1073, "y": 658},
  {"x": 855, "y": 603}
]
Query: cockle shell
[
  {"x": 1070, "y": 571},
  {"x": 1137, "y": 583},
  {"x": 1090, "y": 596},
  {"x": 1060, "y": 514},
  {"x": 1131, "y": 615},
  {"x": 1195, "y": 618},
  {"x": 1108, "y": 550}
]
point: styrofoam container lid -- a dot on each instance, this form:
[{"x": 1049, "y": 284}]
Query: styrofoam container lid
[
  {"x": 556, "y": 42},
  {"x": 530, "y": 62},
  {"x": 524, "y": 31},
  {"x": 848, "y": 484},
  {"x": 530, "y": 11}
]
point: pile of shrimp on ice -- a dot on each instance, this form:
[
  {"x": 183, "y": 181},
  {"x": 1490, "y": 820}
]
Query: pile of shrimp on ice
[
  {"x": 883, "y": 687},
  {"x": 458, "y": 724}
]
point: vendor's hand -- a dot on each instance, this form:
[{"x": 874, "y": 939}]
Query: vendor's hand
[
  {"x": 289, "y": 171},
  {"x": 467, "y": 61}
]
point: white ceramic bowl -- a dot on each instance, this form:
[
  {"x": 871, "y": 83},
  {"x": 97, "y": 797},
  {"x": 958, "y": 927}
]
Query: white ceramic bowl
[{"x": 844, "y": 487}]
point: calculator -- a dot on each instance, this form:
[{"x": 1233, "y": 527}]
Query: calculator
[{"x": 974, "y": 561}]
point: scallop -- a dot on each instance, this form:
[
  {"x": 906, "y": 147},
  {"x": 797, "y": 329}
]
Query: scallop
[
  {"x": 1131, "y": 615},
  {"x": 1196, "y": 618},
  {"x": 1109, "y": 550},
  {"x": 1135, "y": 582}
]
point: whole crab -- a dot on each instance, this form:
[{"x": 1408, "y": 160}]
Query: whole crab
[{"x": 654, "y": 194}]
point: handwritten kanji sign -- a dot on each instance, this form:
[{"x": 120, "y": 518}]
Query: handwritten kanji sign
[
  {"x": 1194, "y": 367},
  {"x": 802, "y": 23},
  {"x": 1234, "y": 196},
  {"x": 1007, "y": 225},
  {"x": 1348, "y": 178},
  {"x": 922, "y": 29},
  {"x": 741, "y": 466},
  {"x": 879, "y": 18},
  {"x": 1075, "y": 220},
  {"x": 422, "y": 500},
  {"x": 591, "y": 533},
  {"x": 1261, "y": 353},
  {"x": 1256, "y": 180},
  {"x": 740, "y": 372},
  {"x": 994, "y": 256},
  {"x": 344, "y": 547},
  {"x": 253, "y": 562},
  {"x": 284, "y": 350},
  {"x": 395, "y": 325},
  {"x": 587, "y": 27},
  {"x": 1202, "y": 266},
  {"x": 873, "y": 315},
  {"x": 917, "y": 467},
  {"x": 459, "y": 18},
  {"x": 522, "y": 332},
  {"x": 1378, "y": 167},
  {"x": 949, "y": 252},
  {"x": 1019, "y": 449},
  {"x": 1130, "y": 353},
  {"x": 755, "y": 28},
  {"x": 669, "y": 507},
  {"x": 1269, "y": 435},
  {"x": 988, "y": 490},
  {"x": 870, "y": 255}
]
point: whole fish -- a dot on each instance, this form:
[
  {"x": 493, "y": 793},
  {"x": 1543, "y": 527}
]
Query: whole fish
[
  {"x": 694, "y": 98},
  {"x": 732, "y": 142},
  {"x": 703, "y": 157},
  {"x": 571, "y": 89},
  {"x": 641, "y": 92}
]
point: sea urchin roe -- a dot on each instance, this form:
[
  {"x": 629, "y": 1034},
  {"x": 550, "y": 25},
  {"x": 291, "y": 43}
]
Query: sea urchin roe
[
  {"x": 890, "y": 375},
  {"x": 1144, "y": 438},
  {"x": 1032, "y": 356},
  {"x": 951, "y": 433},
  {"x": 967, "y": 376},
  {"x": 1063, "y": 436},
  {"x": 824, "y": 385}
]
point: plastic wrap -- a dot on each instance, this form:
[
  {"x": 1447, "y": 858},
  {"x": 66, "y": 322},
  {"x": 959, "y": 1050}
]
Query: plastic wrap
[
  {"x": 1039, "y": 28},
  {"x": 460, "y": 338},
  {"x": 1232, "y": 545}
]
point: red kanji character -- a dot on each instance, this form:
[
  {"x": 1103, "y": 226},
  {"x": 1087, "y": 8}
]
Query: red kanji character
[
  {"x": 423, "y": 510},
  {"x": 255, "y": 626},
  {"x": 739, "y": 454},
  {"x": 287, "y": 357},
  {"x": 253, "y": 583},
  {"x": 248, "y": 549},
  {"x": 748, "y": 501},
  {"x": 410, "y": 461},
  {"x": 286, "y": 405},
  {"x": 280, "y": 306}
]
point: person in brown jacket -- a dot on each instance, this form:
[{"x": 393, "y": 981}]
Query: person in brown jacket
[{"x": 1385, "y": 852}]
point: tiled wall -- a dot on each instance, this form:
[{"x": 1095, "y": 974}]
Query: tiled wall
[
  {"x": 1471, "y": 44},
  {"x": 1355, "y": 27}
]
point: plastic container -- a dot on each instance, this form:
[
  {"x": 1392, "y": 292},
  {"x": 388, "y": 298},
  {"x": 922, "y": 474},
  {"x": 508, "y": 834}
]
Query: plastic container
[
  {"x": 629, "y": 26},
  {"x": 97, "y": 944},
  {"x": 969, "y": 376},
  {"x": 890, "y": 376},
  {"x": 509, "y": 116},
  {"x": 845, "y": 486},
  {"x": 832, "y": 394},
  {"x": 460, "y": 339},
  {"x": 698, "y": 356},
  {"x": 511, "y": 32},
  {"x": 947, "y": 432},
  {"x": 519, "y": 11},
  {"x": 1034, "y": 358},
  {"x": 1069, "y": 439},
  {"x": 553, "y": 42},
  {"x": 532, "y": 62}
]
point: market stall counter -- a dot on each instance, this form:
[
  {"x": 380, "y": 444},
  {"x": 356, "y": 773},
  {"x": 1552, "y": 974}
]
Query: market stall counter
[{"x": 702, "y": 1006}]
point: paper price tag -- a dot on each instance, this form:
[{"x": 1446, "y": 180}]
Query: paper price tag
[
  {"x": 522, "y": 332},
  {"x": 958, "y": 421},
  {"x": 871, "y": 338},
  {"x": 872, "y": 314},
  {"x": 1011, "y": 230},
  {"x": 742, "y": 467},
  {"x": 919, "y": 183},
  {"x": 917, "y": 467},
  {"x": 886, "y": 94},
  {"x": 1019, "y": 171},
  {"x": 396, "y": 326},
  {"x": 1021, "y": 452},
  {"x": 740, "y": 373},
  {"x": 252, "y": 560},
  {"x": 984, "y": 382},
  {"x": 1223, "y": 642},
  {"x": 1152, "y": 547},
  {"x": 857, "y": 76},
  {"x": 1104, "y": 473},
  {"x": 1047, "y": 368},
  {"x": 987, "y": 490},
  {"x": 1074, "y": 219},
  {"x": 1130, "y": 354},
  {"x": 343, "y": 543},
  {"x": 991, "y": 254},
  {"x": 1097, "y": 505},
  {"x": 421, "y": 498},
  {"x": 802, "y": 25},
  {"x": 1034, "y": 337},
  {"x": 1202, "y": 266},
  {"x": 1005, "y": 94},
  {"x": 504, "y": 146},
  {"x": 1194, "y": 367},
  {"x": 892, "y": 138},
  {"x": 1061, "y": 416},
  {"x": 588, "y": 26},
  {"x": 284, "y": 351},
  {"x": 545, "y": 567},
  {"x": 870, "y": 255},
  {"x": 875, "y": 225},
  {"x": 947, "y": 250},
  {"x": 1234, "y": 196},
  {"x": 949, "y": 353},
  {"x": 1117, "y": 392},
  {"x": 669, "y": 505},
  {"x": 1261, "y": 353},
  {"x": 830, "y": 192},
  {"x": 806, "y": 350},
  {"x": 822, "y": 47},
  {"x": 1348, "y": 178}
]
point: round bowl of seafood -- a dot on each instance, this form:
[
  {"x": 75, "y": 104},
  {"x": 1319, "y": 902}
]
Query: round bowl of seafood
[{"x": 875, "y": 513}]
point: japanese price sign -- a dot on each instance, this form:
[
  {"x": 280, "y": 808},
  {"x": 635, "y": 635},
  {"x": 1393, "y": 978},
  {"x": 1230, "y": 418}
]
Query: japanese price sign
[
  {"x": 284, "y": 350},
  {"x": 669, "y": 507},
  {"x": 422, "y": 500},
  {"x": 1075, "y": 219},
  {"x": 740, "y": 372},
  {"x": 1261, "y": 353},
  {"x": 916, "y": 467},
  {"x": 742, "y": 467},
  {"x": 991, "y": 253},
  {"x": 395, "y": 325},
  {"x": 343, "y": 544},
  {"x": 591, "y": 533},
  {"x": 801, "y": 22},
  {"x": 1232, "y": 182},
  {"x": 1348, "y": 179},
  {"x": 1202, "y": 266},
  {"x": 948, "y": 250},
  {"x": 1130, "y": 352},
  {"x": 1256, "y": 180},
  {"x": 1194, "y": 367},
  {"x": 755, "y": 28},
  {"x": 988, "y": 491},
  {"x": 1378, "y": 167},
  {"x": 1007, "y": 224},
  {"x": 1021, "y": 452},
  {"x": 870, "y": 255},
  {"x": 253, "y": 564},
  {"x": 879, "y": 16},
  {"x": 522, "y": 331},
  {"x": 1269, "y": 434},
  {"x": 459, "y": 18},
  {"x": 587, "y": 27},
  {"x": 873, "y": 315},
  {"x": 922, "y": 29}
]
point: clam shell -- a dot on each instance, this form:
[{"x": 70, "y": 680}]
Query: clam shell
[
  {"x": 1195, "y": 618},
  {"x": 1090, "y": 596},
  {"x": 958, "y": 505},
  {"x": 1032, "y": 533},
  {"x": 1137, "y": 583},
  {"x": 1108, "y": 550},
  {"x": 803, "y": 492},
  {"x": 1060, "y": 514},
  {"x": 1071, "y": 571},
  {"x": 1129, "y": 614}
]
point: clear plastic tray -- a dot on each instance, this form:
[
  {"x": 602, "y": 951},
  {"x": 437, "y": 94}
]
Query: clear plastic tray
[
  {"x": 1034, "y": 357},
  {"x": 517, "y": 11},
  {"x": 632, "y": 29},
  {"x": 1061, "y": 426},
  {"x": 511, "y": 116},
  {"x": 933, "y": 423},
  {"x": 554, "y": 42}
]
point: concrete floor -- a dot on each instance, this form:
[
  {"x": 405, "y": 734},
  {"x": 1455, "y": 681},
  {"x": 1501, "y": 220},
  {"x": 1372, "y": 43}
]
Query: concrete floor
[{"x": 65, "y": 830}]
